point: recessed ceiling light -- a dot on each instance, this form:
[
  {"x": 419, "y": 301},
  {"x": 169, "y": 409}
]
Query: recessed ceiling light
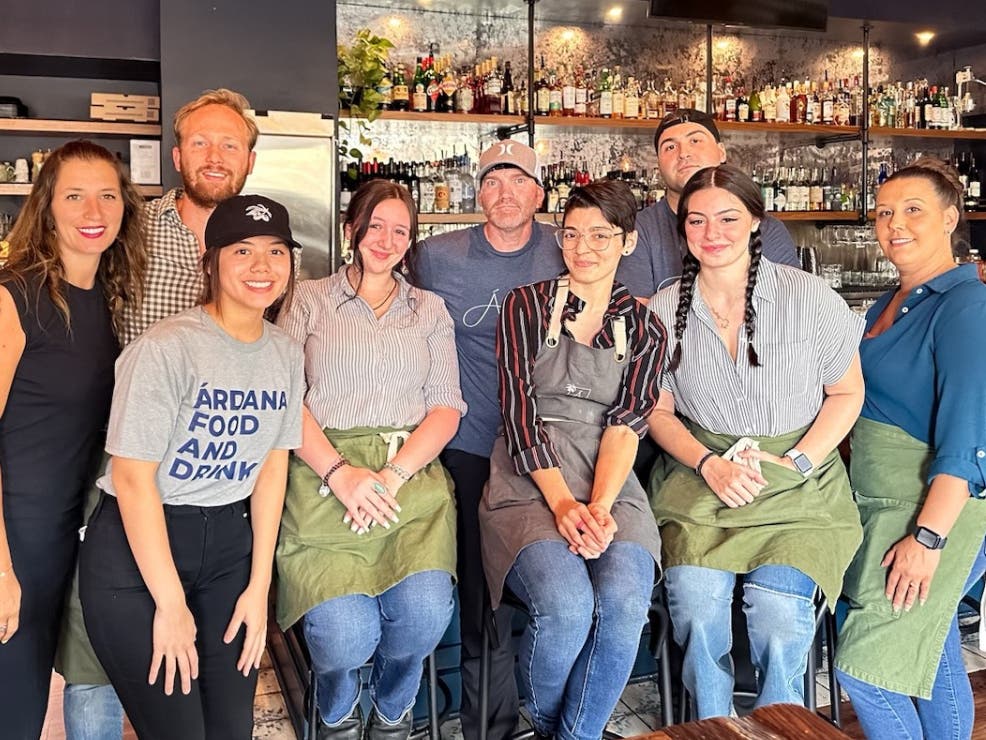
[
  {"x": 394, "y": 23},
  {"x": 614, "y": 13},
  {"x": 567, "y": 35},
  {"x": 924, "y": 37}
]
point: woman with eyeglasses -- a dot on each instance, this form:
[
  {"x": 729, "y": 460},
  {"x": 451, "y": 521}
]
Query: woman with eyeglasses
[
  {"x": 764, "y": 382},
  {"x": 565, "y": 523},
  {"x": 366, "y": 554}
]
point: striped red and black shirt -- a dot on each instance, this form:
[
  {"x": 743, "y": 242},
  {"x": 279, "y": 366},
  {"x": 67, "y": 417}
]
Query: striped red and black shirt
[{"x": 523, "y": 327}]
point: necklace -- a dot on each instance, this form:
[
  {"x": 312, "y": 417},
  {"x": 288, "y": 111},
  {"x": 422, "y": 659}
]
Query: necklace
[
  {"x": 385, "y": 298},
  {"x": 721, "y": 321}
]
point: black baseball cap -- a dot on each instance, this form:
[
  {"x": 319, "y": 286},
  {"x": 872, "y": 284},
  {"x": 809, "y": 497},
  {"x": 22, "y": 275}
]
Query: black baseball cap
[
  {"x": 686, "y": 115},
  {"x": 244, "y": 216}
]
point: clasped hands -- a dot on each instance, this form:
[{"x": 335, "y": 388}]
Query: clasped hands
[
  {"x": 369, "y": 497},
  {"x": 735, "y": 476},
  {"x": 588, "y": 528}
]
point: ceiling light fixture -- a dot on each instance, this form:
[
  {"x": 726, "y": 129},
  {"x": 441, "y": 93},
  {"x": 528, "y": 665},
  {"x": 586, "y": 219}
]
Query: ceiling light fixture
[
  {"x": 614, "y": 13},
  {"x": 924, "y": 37}
]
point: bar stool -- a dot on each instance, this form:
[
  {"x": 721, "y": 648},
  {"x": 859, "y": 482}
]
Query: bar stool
[
  {"x": 432, "y": 730},
  {"x": 658, "y": 620}
]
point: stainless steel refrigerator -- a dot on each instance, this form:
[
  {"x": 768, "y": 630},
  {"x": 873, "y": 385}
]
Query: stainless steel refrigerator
[{"x": 296, "y": 166}]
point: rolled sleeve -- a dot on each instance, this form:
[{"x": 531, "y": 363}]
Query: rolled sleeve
[
  {"x": 839, "y": 334},
  {"x": 642, "y": 381},
  {"x": 960, "y": 422},
  {"x": 442, "y": 384},
  {"x": 295, "y": 321}
]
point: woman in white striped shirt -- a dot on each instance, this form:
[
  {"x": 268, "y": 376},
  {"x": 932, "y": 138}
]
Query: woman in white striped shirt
[
  {"x": 367, "y": 547},
  {"x": 765, "y": 376}
]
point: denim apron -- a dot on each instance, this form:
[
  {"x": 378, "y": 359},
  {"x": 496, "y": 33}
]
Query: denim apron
[
  {"x": 899, "y": 652},
  {"x": 806, "y": 523},
  {"x": 576, "y": 386},
  {"x": 319, "y": 558}
]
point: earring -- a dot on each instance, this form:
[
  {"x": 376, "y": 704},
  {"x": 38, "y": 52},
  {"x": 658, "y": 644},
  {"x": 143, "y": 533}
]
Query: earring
[
  {"x": 626, "y": 252},
  {"x": 347, "y": 252}
]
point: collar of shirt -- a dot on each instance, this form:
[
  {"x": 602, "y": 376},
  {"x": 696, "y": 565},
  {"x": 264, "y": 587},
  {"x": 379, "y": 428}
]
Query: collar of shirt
[
  {"x": 940, "y": 284},
  {"x": 766, "y": 287},
  {"x": 166, "y": 206},
  {"x": 621, "y": 303},
  {"x": 340, "y": 289}
]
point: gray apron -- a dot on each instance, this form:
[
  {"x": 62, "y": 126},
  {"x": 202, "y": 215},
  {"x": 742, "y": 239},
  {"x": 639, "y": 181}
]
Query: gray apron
[{"x": 576, "y": 385}]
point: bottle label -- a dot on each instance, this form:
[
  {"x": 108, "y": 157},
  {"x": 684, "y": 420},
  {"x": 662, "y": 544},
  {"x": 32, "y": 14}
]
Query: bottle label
[
  {"x": 464, "y": 100},
  {"x": 420, "y": 101},
  {"x": 568, "y": 97},
  {"x": 427, "y": 189},
  {"x": 975, "y": 188},
  {"x": 554, "y": 100},
  {"x": 606, "y": 103},
  {"x": 780, "y": 200},
  {"x": 400, "y": 93},
  {"x": 631, "y": 107},
  {"x": 743, "y": 112},
  {"x": 542, "y": 102},
  {"x": 442, "y": 197}
]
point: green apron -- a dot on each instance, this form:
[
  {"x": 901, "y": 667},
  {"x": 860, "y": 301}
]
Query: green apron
[
  {"x": 899, "y": 652},
  {"x": 75, "y": 659},
  {"x": 807, "y": 523},
  {"x": 319, "y": 558}
]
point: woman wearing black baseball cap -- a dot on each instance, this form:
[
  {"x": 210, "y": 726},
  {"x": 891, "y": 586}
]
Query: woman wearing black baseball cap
[{"x": 176, "y": 564}]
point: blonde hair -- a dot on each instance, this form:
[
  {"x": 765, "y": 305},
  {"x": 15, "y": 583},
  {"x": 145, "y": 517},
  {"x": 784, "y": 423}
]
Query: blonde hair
[
  {"x": 34, "y": 247},
  {"x": 222, "y": 96}
]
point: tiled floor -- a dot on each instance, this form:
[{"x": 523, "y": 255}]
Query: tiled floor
[{"x": 637, "y": 713}]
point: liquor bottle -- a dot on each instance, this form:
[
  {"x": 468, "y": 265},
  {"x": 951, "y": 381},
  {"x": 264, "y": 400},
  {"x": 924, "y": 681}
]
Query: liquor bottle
[
  {"x": 780, "y": 189},
  {"x": 467, "y": 176},
  {"x": 653, "y": 108},
  {"x": 426, "y": 187},
  {"x": 605, "y": 95},
  {"x": 816, "y": 197},
  {"x": 756, "y": 105},
  {"x": 729, "y": 101},
  {"x": 508, "y": 95},
  {"x": 768, "y": 100},
  {"x": 828, "y": 103},
  {"x": 581, "y": 94},
  {"x": 554, "y": 95},
  {"x": 419, "y": 98},
  {"x": 432, "y": 84},
  {"x": 413, "y": 184},
  {"x": 669, "y": 97},
  {"x": 542, "y": 92},
  {"x": 400, "y": 92},
  {"x": 619, "y": 94},
  {"x": 454, "y": 184},
  {"x": 767, "y": 191},
  {"x": 973, "y": 199},
  {"x": 493, "y": 88},
  {"x": 742, "y": 105},
  {"x": 783, "y": 105},
  {"x": 465, "y": 96},
  {"x": 445, "y": 103},
  {"x": 568, "y": 90},
  {"x": 631, "y": 99},
  {"x": 564, "y": 188},
  {"x": 385, "y": 89}
]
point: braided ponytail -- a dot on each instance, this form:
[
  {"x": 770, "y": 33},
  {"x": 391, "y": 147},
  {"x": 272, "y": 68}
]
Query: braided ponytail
[
  {"x": 750, "y": 313},
  {"x": 685, "y": 290}
]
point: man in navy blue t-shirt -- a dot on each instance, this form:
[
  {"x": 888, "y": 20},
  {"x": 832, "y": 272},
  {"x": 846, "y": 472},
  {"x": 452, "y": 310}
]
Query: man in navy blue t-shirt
[
  {"x": 686, "y": 141},
  {"x": 473, "y": 269}
]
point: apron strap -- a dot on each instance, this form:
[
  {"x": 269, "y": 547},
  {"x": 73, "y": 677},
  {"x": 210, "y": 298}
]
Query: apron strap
[
  {"x": 394, "y": 440},
  {"x": 620, "y": 338},
  {"x": 554, "y": 325}
]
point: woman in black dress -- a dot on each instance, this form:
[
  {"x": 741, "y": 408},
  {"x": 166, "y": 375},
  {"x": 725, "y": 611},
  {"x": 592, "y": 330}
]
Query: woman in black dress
[{"x": 75, "y": 258}]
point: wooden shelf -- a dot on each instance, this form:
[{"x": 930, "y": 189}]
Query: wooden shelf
[
  {"x": 91, "y": 128},
  {"x": 473, "y": 218},
  {"x": 394, "y": 115},
  {"x": 923, "y": 133},
  {"x": 815, "y": 215},
  {"x": 787, "y": 128},
  {"x": 148, "y": 191}
]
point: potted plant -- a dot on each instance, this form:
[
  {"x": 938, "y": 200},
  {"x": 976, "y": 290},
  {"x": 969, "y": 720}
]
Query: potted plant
[{"x": 362, "y": 67}]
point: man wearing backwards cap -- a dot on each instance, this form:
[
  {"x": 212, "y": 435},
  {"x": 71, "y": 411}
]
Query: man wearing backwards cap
[
  {"x": 473, "y": 269},
  {"x": 686, "y": 141}
]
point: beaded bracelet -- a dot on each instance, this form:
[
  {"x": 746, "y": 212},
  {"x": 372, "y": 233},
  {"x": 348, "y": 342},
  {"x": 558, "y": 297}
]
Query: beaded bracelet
[
  {"x": 398, "y": 470},
  {"x": 324, "y": 490},
  {"x": 701, "y": 463}
]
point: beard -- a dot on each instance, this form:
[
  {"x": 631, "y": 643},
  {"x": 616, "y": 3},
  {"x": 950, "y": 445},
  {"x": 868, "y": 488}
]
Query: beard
[{"x": 206, "y": 194}]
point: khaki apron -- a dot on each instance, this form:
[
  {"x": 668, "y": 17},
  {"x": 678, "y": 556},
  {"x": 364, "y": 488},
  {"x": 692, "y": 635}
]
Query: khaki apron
[
  {"x": 576, "y": 387},
  {"x": 319, "y": 558},
  {"x": 806, "y": 523},
  {"x": 75, "y": 659},
  {"x": 899, "y": 652}
]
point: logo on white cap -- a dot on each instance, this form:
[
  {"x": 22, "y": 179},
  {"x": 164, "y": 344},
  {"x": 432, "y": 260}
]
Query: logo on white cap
[
  {"x": 506, "y": 148},
  {"x": 259, "y": 212}
]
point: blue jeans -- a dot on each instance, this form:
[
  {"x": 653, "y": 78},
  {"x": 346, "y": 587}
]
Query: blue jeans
[
  {"x": 780, "y": 616},
  {"x": 582, "y": 635},
  {"x": 947, "y": 715},
  {"x": 397, "y": 629},
  {"x": 92, "y": 712}
]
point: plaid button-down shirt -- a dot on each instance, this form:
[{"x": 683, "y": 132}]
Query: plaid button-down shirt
[{"x": 174, "y": 278}]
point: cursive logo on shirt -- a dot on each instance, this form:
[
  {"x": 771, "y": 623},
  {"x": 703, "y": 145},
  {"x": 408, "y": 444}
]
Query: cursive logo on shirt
[{"x": 474, "y": 316}]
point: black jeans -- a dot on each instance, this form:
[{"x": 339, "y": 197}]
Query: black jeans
[
  {"x": 469, "y": 474},
  {"x": 211, "y": 547}
]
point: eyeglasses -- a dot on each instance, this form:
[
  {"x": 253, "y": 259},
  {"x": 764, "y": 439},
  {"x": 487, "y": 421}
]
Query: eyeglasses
[{"x": 596, "y": 239}]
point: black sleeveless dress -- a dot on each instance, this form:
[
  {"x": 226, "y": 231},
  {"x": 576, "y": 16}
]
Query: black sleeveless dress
[{"x": 51, "y": 437}]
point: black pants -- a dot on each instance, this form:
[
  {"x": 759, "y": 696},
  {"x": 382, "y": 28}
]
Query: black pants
[
  {"x": 211, "y": 547},
  {"x": 469, "y": 473},
  {"x": 43, "y": 551}
]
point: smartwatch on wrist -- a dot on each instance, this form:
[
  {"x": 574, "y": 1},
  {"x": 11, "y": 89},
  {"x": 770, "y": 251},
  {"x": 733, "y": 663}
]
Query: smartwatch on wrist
[
  {"x": 930, "y": 539},
  {"x": 801, "y": 461}
]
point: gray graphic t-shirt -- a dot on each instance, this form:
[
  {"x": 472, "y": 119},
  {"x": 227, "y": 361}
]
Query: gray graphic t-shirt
[{"x": 208, "y": 407}]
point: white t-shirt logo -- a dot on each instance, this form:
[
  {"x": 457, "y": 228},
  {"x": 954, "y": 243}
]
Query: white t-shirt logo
[{"x": 259, "y": 212}]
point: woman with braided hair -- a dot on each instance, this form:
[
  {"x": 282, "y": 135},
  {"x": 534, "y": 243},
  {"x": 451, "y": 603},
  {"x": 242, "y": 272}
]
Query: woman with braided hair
[{"x": 765, "y": 380}]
